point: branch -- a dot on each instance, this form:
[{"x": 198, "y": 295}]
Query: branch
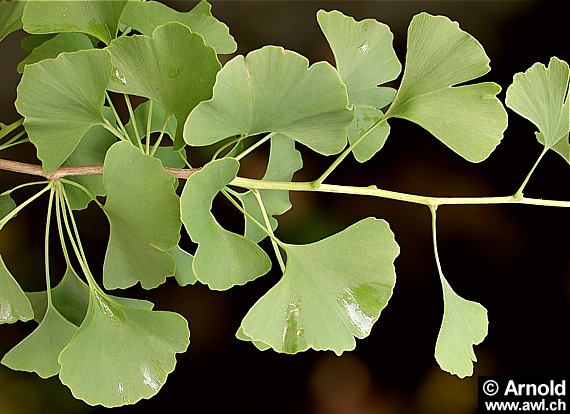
[{"x": 31, "y": 169}]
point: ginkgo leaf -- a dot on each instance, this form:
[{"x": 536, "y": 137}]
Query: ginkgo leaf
[
  {"x": 51, "y": 48},
  {"x": 184, "y": 274},
  {"x": 364, "y": 56},
  {"x": 223, "y": 259},
  {"x": 10, "y": 17},
  {"x": 284, "y": 161},
  {"x": 99, "y": 18},
  {"x": 156, "y": 121},
  {"x": 31, "y": 41},
  {"x": 61, "y": 100},
  {"x": 6, "y": 205},
  {"x": 121, "y": 354},
  {"x": 464, "y": 325},
  {"x": 331, "y": 292},
  {"x": 541, "y": 95},
  {"x": 90, "y": 151},
  {"x": 148, "y": 15},
  {"x": 469, "y": 119},
  {"x": 274, "y": 90},
  {"x": 364, "y": 118},
  {"x": 179, "y": 70},
  {"x": 144, "y": 215},
  {"x": 14, "y": 305},
  {"x": 39, "y": 351},
  {"x": 562, "y": 147}
]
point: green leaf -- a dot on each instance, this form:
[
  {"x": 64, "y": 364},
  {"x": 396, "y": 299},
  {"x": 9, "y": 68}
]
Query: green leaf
[
  {"x": 223, "y": 259},
  {"x": 541, "y": 95},
  {"x": 562, "y": 147},
  {"x": 30, "y": 42},
  {"x": 121, "y": 354},
  {"x": 14, "y": 305},
  {"x": 364, "y": 56},
  {"x": 51, "y": 48},
  {"x": 144, "y": 216},
  {"x": 284, "y": 161},
  {"x": 184, "y": 274},
  {"x": 38, "y": 352},
  {"x": 331, "y": 292},
  {"x": 274, "y": 90},
  {"x": 364, "y": 118},
  {"x": 99, "y": 18},
  {"x": 156, "y": 121},
  {"x": 90, "y": 151},
  {"x": 179, "y": 70},
  {"x": 464, "y": 325},
  {"x": 469, "y": 119},
  {"x": 10, "y": 17},
  {"x": 61, "y": 100},
  {"x": 6, "y": 205},
  {"x": 148, "y": 15}
]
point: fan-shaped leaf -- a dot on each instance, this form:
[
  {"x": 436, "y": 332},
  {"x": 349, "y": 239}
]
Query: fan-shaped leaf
[
  {"x": 562, "y": 147},
  {"x": 61, "y": 100},
  {"x": 331, "y": 292},
  {"x": 148, "y": 15},
  {"x": 99, "y": 18},
  {"x": 38, "y": 352},
  {"x": 179, "y": 70},
  {"x": 184, "y": 273},
  {"x": 6, "y": 205},
  {"x": 121, "y": 354},
  {"x": 469, "y": 119},
  {"x": 284, "y": 161},
  {"x": 464, "y": 325},
  {"x": 144, "y": 215},
  {"x": 274, "y": 90},
  {"x": 223, "y": 259},
  {"x": 51, "y": 48},
  {"x": 541, "y": 95},
  {"x": 10, "y": 17},
  {"x": 364, "y": 118},
  {"x": 14, "y": 305}
]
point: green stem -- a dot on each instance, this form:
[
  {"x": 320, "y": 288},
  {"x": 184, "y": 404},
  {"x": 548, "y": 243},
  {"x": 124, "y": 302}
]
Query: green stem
[
  {"x": 82, "y": 188},
  {"x": 253, "y": 220},
  {"x": 7, "y": 129},
  {"x": 134, "y": 120},
  {"x": 234, "y": 141},
  {"x": 519, "y": 193},
  {"x": 75, "y": 239},
  {"x": 58, "y": 212},
  {"x": 107, "y": 125},
  {"x": 255, "y": 146},
  {"x": 433, "y": 210},
  {"x": 117, "y": 117},
  {"x": 347, "y": 151},
  {"x": 148, "y": 127},
  {"x": 8, "y": 192},
  {"x": 13, "y": 144},
  {"x": 269, "y": 230},
  {"x": 14, "y": 212},
  {"x": 15, "y": 138},
  {"x": 184, "y": 159},
  {"x": 157, "y": 143},
  {"x": 373, "y": 191},
  {"x": 46, "y": 246}
]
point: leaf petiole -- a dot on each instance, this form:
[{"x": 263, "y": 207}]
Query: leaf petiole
[
  {"x": 46, "y": 244},
  {"x": 117, "y": 117},
  {"x": 8, "y": 192},
  {"x": 519, "y": 193},
  {"x": 269, "y": 229},
  {"x": 14, "y": 212},
  {"x": 82, "y": 188},
  {"x": 255, "y": 146},
  {"x": 134, "y": 120}
]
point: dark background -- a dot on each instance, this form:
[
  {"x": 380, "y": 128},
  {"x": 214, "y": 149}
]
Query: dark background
[{"x": 512, "y": 259}]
